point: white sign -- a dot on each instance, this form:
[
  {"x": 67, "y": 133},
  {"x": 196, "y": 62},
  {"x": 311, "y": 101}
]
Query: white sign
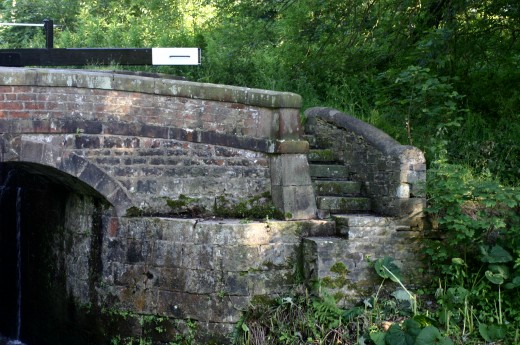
[{"x": 175, "y": 56}]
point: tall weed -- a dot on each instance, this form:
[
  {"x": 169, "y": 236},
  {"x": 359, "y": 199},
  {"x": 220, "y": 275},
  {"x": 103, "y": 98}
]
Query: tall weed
[{"x": 473, "y": 249}]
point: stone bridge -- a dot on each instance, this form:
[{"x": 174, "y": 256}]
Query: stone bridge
[{"x": 123, "y": 188}]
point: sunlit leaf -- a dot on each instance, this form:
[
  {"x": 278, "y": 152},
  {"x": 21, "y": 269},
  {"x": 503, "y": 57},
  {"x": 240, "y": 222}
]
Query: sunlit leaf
[{"x": 386, "y": 269}]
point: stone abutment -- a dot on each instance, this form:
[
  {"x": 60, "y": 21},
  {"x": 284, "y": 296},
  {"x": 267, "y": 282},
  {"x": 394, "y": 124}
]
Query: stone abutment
[{"x": 128, "y": 190}]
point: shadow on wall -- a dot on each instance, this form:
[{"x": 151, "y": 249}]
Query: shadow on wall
[{"x": 59, "y": 220}]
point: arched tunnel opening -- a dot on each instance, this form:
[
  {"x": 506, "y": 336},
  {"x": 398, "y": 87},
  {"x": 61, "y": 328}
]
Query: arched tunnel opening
[{"x": 50, "y": 254}]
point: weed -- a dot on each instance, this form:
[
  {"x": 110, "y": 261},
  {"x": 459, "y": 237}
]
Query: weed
[{"x": 258, "y": 207}]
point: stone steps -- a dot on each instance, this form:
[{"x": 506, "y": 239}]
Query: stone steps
[
  {"x": 321, "y": 155},
  {"x": 337, "y": 188},
  {"x": 342, "y": 204},
  {"x": 335, "y": 193},
  {"x": 328, "y": 171}
]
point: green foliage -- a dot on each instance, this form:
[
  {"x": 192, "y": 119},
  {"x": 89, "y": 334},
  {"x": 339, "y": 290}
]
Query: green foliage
[
  {"x": 185, "y": 205},
  {"x": 469, "y": 213},
  {"x": 150, "y": 328},
  {"x": 304, "y": 319},
  {"x": 259, "y": 207},
  {"x": 423, "y": 107},
  {"x": 479, "y": 228},
  {"x": 134, "y": 212}
]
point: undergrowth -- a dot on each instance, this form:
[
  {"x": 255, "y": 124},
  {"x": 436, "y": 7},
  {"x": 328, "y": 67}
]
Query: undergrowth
[{"x": 393, "y": 315}]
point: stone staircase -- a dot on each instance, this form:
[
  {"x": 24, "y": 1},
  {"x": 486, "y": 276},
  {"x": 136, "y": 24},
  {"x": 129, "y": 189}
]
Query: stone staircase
[
  {"x": 335, "y": 193},
  {"x": 358, "y": 174},
  {"x": 360, "y": 236}
]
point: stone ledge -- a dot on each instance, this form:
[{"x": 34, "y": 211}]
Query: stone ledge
[{"x": 16, "y": 76}]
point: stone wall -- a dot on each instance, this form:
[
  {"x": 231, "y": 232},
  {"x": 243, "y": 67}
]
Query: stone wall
[
  {"x": 342, "y": 263},
  {"x": 154, "y": 171},
  {"x": 206, "y": 271},
  {"x": 113, "y": 150},
  {"x": 393, "y": 175}
]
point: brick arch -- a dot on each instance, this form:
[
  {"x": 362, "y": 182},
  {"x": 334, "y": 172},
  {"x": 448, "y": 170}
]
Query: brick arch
[{"x": 34, "y": 151}]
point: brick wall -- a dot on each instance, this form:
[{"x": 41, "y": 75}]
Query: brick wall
[{"x": 140, "y": 141}]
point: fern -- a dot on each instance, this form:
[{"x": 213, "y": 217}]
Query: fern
[{"x": 327, "y": 312}]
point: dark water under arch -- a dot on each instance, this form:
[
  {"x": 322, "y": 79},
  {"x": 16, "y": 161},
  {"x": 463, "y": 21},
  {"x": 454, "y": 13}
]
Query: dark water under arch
[{"x": 35, "y": 303}]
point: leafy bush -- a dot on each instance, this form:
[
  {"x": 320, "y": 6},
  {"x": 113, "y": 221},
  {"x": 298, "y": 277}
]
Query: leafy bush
[{"x": 473, "y": 250}]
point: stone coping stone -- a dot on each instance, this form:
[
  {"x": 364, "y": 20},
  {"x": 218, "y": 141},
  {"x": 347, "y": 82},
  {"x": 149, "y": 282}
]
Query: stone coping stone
[
  {"x": 110, "y": 80},
  {"x": 229, "y": 231},
  {"x": 376, "y": 137}
]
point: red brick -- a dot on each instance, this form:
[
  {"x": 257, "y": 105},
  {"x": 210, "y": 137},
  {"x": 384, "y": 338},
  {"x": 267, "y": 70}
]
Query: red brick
[
  {"x": 19, "y": 115},
  {"x": 26, "y": 97},
  {"x": 11, "y": 105},
  {"x": 6, "y": 89},
  {"x": 113, "y": 227},
  {"x": 34, "y": 105}
]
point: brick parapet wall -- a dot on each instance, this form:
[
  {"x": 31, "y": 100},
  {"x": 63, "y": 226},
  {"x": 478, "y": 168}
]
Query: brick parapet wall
[
  {"x": 393, "y": 175},
  {"x": 103, "y": 103},
  {"x": 63, "y": 110},
  {"x": 80, "y": 122}
]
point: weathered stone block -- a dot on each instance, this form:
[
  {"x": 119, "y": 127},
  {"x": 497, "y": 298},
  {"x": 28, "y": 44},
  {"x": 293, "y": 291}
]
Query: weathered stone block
[
  {"x": 337, "y": 187},
  {"x": 271, "y": 282},
  {"x": 184, "y": 305},
  {"x": 171, "y": 279},
  {"x": 329, "y": 171},
  {"x": 290, "y": 125},
  {"x": 338, "y": 204},
  {"x": 296, "y": 202},
  {"x": 237, "y": 284},
  {"x": 202, "y": 281},
  {"x": 199, "y": 256},
  {"x": 290, "y": 170},
  {"x": 240, "y": 258}
]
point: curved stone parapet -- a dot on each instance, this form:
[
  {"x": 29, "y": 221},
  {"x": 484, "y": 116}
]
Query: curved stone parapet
[{"x": 393, "y": 175}]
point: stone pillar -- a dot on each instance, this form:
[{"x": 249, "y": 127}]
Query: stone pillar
[{"x": 291, "y": 186}]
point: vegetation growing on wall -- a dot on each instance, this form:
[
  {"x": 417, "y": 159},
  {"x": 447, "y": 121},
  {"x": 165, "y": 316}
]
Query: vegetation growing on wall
[{"x": 259, "y": 207}]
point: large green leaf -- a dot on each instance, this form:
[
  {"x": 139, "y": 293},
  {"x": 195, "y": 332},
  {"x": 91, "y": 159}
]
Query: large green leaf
[
  {"x": 430, "y": 335},
  {"x": 411, "y": 327},
  {"x": 378, "y": 338},
  {"x": 387, "y": 269},
  {"x": 497, "y": 274},
  {"x": 396, "y": 336},
  {"x": 492, "y": 332},
  {"x": 495, "y": 254}
]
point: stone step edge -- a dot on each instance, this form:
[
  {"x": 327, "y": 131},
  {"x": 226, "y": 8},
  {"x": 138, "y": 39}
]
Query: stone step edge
[
  {"x": 360, "y": 225},
  {"x": 336, "y": 187}
]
